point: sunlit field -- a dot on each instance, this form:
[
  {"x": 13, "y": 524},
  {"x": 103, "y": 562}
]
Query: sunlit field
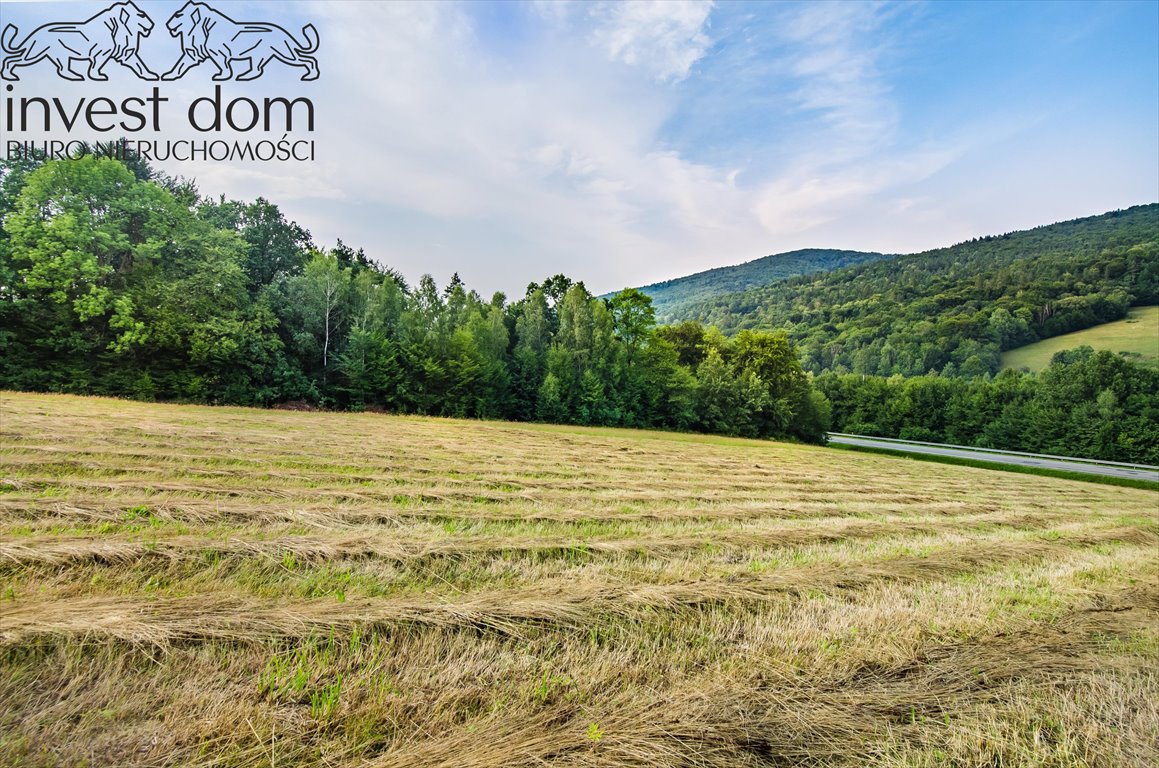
[
  {"x": 195, "y": 586},
  {"x": 1137, "y": 335}
]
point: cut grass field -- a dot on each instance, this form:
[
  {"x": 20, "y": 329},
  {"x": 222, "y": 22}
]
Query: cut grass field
[
  {"x": 1137, "y": 334},
  {"x": 192, "y": 586}
]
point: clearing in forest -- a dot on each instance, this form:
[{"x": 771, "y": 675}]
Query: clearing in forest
[{"x": 1137, "y": 335}]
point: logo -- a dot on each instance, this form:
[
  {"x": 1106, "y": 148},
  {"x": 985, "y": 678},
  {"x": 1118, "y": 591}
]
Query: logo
[
  {"x": 229, "y": 123},
  {"x": 114, "y": 34},
  {"x": 208, "y": 34},
  {"x": 111, "y": 35}
]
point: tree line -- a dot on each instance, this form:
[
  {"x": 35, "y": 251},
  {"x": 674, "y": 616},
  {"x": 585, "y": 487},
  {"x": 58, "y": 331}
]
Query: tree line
[
  {"x": 116, "y": 280},
  {"x": 1085, "y": 403}
]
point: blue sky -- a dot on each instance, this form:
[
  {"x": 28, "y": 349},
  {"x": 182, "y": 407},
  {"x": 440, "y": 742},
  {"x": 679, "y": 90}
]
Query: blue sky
[{"x": 623, "y": 143}]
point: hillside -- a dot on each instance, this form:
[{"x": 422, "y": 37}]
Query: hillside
[
  {"x": 956, "y": 309},
  {"x": 197, "y": 586},
  {"x": 1135, "y": 337},
  {"x": 671, "y": 296}
]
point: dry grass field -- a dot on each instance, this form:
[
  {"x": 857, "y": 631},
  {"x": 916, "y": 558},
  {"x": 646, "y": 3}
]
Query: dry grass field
[{"x": 191, "y": 586}]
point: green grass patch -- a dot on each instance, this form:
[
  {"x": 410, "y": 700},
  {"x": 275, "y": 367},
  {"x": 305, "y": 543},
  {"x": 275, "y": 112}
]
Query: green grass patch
[{"x": 1137, "y": 336}]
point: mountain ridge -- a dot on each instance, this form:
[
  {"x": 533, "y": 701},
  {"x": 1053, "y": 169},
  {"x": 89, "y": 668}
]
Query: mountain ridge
[{"x": 669, "y": 296}]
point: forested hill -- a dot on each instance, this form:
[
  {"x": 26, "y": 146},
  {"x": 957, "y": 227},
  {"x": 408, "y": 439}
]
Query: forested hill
[
  {"x": 954, "y": 310},
  {"x": 670, "y": 297}
]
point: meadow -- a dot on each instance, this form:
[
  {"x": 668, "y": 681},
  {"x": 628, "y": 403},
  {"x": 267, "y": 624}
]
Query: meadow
[
  {"x": 197, "y": 586},
  {"x": 1137, "y": 335}
]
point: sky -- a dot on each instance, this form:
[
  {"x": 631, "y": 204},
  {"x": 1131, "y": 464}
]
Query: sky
[{"x": 629, "y": 142}]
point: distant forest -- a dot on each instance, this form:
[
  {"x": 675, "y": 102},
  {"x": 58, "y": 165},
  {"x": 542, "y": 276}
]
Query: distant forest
[
  {"x": 954, "y": 310},
  {"x": 672, "y": 297},
  {"x": 117, "y": 280}
]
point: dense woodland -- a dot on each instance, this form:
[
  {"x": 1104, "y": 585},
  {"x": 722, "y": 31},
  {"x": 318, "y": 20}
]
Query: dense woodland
[
  {"x": 1086, "y": 403},
  {"x": 117, "y": 281},
  {"x": 954, "y": 310}
]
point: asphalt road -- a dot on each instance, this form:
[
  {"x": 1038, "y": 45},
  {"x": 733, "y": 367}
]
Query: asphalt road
[{"x": 1019, "y": 459}]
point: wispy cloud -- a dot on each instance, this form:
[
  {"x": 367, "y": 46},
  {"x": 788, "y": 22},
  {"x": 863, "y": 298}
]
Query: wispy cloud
[
  {"x": 554, "y": 157},
  {"x": 664, "y": 37},
  {"x": 834, "y": 50},
  {"x": 558, "y": 156},
  {"x": 807, "y": 198}
]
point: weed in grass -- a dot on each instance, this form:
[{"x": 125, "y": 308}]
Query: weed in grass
[{"x": 324, "y": 701}]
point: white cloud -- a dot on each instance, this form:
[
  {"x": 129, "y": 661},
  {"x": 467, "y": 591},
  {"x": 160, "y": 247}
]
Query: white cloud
[
  {"x": 556, "y": 156},
  {"x": 808, "y": 199},
  {"x": 507, "y": 171},
  {"x": 664, "y": 37},
  {"x": 442, "y": 151},
  {"x": 833, "y": 51},
  {"x": 450, "y": 157}
]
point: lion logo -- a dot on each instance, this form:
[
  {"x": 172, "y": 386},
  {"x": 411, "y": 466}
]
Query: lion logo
[
  {"x": 208, "y": 34},
  {"x": 112, "y": 35}
]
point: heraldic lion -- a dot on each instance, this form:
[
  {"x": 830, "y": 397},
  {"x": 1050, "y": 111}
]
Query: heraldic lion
[
  {"x": 208, "y": 34},
  {"x": 111, "y": 35}
]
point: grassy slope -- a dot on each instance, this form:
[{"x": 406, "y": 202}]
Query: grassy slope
[
  {"x": 670, "y": 296},
  {"x": 199, "y": 586},
  {"x": 1138, "y": 334}
]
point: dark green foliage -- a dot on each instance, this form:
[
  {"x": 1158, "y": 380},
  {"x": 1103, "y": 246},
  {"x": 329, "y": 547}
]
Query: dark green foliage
[
  {"x": 113, "y": 281},
  {"x": 274, "y": 247},
  {"x": 1091, "y": 404},
  {"x": 671, "y": 298},
  {"x": 955, "y": 309}
]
